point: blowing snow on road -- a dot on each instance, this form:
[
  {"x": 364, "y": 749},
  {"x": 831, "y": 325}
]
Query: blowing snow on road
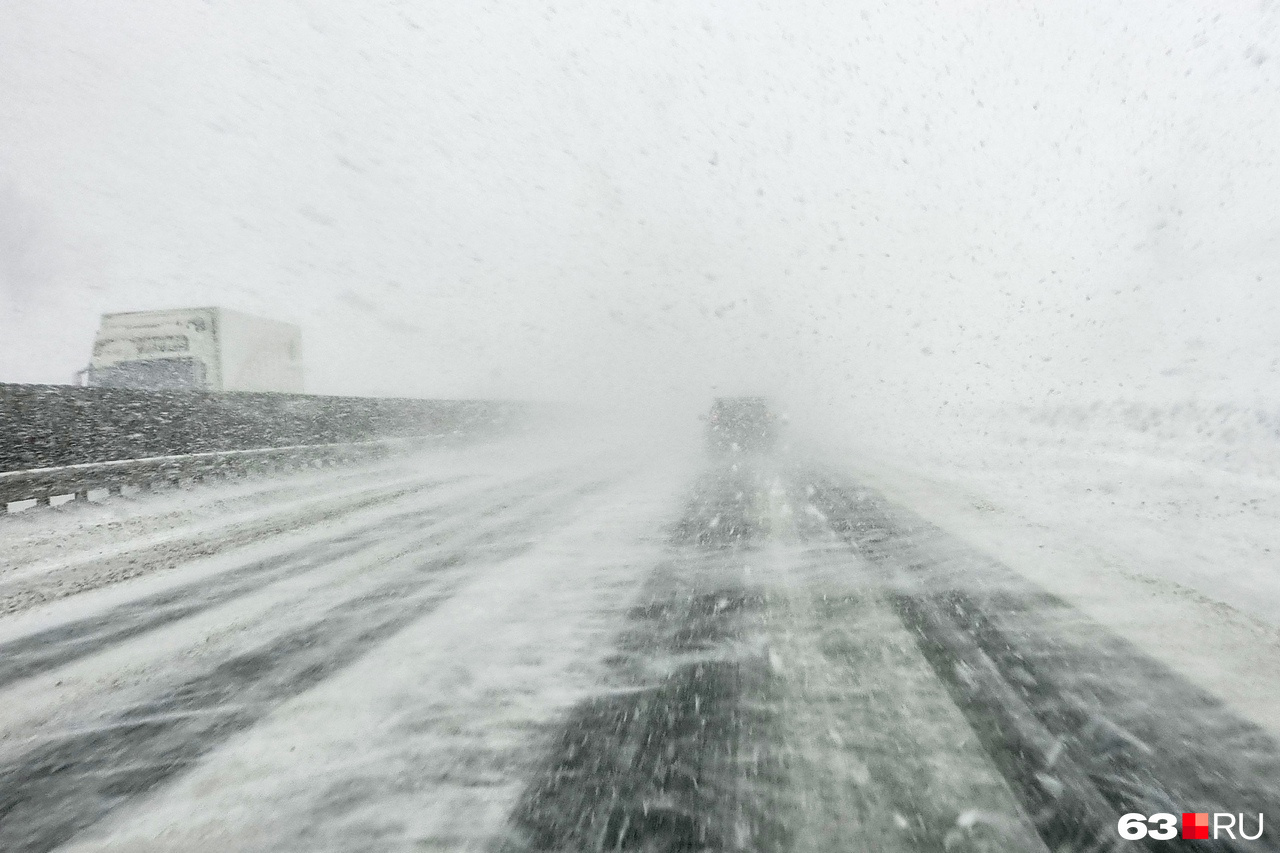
[
  {"x": 663, "y": 426},
  {"x": 502, "y": 648}
]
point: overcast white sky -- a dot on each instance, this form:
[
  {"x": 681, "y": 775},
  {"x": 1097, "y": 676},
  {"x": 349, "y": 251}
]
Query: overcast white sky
[{"x": 869, "y": 202}]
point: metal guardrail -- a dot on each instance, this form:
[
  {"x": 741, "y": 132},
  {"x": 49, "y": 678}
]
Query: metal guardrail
[
  {"x": 60, "y": 440},
  {"x": 45, "y": 426},
  {"x": 41, "y": 484}
]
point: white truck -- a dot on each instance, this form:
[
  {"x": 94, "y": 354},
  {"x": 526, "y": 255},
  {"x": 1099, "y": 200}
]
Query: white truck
[{"x": 200, "y": 349}]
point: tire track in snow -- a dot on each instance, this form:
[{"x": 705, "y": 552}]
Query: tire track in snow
[
  {"x": 80, "y": 528},
  {"x": 54, "y": 647},
  {"x": 36, "y": 584},
  {"x": 53, "y": 791},
  {"x": 423, "y": 745},
  {"x": 679, "y": 756},
  {"x": 1083, "y": 725},
  {"x": 875, "y": 747}
]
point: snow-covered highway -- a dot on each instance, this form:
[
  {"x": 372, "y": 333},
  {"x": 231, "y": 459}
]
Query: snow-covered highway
[{"x": 509, "y": 647}]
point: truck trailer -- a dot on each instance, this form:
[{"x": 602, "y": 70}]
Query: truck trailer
[{"x": 197, "y": 349}]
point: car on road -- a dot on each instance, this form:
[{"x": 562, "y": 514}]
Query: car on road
[{"x": 741, "y": 425}]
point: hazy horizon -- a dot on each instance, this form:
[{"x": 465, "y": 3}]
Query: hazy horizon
[{"x": 856, "y": 205}]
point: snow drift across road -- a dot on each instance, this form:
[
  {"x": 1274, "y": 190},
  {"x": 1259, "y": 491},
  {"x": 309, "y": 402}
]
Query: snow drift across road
[
  {"x": 1157, "y": 521},
  {"x": 593, "y": 646}
]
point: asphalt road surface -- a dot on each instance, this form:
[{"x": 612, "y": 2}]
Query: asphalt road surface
[{"x": 488, "y": 649}]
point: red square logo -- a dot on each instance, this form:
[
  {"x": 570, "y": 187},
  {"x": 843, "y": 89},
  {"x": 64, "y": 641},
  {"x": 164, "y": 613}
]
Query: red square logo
[{"x": 1195, "y": 825}]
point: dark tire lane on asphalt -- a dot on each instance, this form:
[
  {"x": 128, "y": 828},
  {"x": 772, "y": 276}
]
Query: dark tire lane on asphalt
[
  {"x": 1085, "y": 726},
  {"x": 788, "y": 662}
]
